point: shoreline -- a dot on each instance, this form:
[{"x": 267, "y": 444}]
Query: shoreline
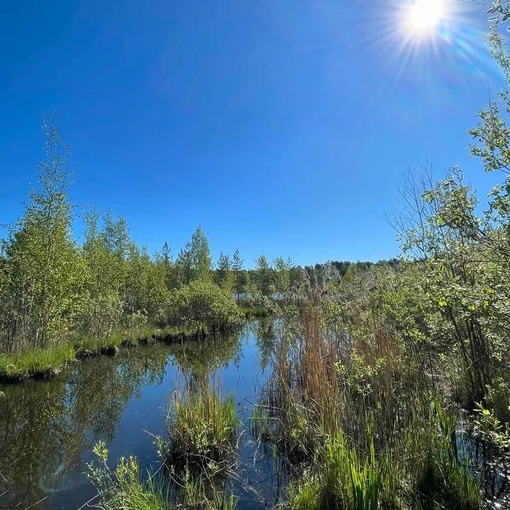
[{"x": 31, "y": 366}]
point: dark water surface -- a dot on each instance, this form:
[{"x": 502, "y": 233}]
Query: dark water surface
[{"x": 48, "y": 429}]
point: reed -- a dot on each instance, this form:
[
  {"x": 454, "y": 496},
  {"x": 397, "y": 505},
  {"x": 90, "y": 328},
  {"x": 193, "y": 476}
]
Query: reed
[{"x": 355, "y": 413}]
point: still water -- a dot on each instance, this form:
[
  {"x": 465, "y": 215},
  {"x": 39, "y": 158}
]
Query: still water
[{"x": 48, "y": 429}]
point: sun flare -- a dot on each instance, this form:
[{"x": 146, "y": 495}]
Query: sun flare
[{"x": 426, "y": 14}]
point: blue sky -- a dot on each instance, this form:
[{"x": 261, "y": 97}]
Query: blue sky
[{"x": 282, "y": 127}]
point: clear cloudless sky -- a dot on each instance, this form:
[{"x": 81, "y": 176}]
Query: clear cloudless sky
[{"x": 282, "y": 127}]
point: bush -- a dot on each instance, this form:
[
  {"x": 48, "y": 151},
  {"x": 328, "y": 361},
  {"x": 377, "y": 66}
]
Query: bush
[
  {"x": 202, "y": 303},
  {"x": 99, "y": 316}
]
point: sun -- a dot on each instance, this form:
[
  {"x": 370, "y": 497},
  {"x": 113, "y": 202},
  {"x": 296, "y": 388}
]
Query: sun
[{"x": 426, "y": 14}]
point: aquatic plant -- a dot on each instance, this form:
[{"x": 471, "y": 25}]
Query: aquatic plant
[
  {"x": 441, "y": 476},
  {"x": 340, "y": 477},
  {"x": 202, "y": 431},
  {"x": 302, "y": 397},
  {"x": 358, "y": 412}
]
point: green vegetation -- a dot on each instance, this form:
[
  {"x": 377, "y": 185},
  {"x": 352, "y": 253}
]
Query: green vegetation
[
  {"x": 201, "y": 432},
  {"x": 122, "y": 487},
  {"x": 201, "y": 303},
  {"x": 198, "y": 455},
  {"x": 375, "y": 367},
  {"x": 45, "y": 363},
  {"x": 353, "y": 409},
  {"x": 58, "y": 297},
  {"x": 36, "y": 361},
  {"x": 59, "y": 421}
]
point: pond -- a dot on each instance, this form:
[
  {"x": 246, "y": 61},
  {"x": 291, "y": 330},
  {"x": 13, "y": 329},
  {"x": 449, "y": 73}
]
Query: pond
[{"x": 48, "y": 429}]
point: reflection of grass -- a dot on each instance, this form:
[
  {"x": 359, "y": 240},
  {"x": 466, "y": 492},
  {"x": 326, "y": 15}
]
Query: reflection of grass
[
  {"x": 203, "y": 492},
  {"x": 255, "y": 311},
  {"x": 260, "y": 423},
  {"x": 202, "y": 431}
]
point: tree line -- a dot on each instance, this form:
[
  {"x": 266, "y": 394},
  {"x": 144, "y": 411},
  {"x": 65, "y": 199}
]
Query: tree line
[{"x": 53, "y": 288}]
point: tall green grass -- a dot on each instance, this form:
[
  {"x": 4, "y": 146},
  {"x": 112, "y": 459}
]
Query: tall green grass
[
  {"x": 443, "y": 479},
  {"x": 202, "y": 431},
  {"x": 369, "y": 426},
  {"x": 340, "y": 478},
  {"x": 36, "y": 360},
  {"x": 421, "y": 470}
]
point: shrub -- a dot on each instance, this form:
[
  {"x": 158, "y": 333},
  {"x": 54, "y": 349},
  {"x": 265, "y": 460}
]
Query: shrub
[{"x": 202, "y": 303}]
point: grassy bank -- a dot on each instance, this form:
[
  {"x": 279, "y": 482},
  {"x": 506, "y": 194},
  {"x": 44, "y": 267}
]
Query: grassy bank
[{"x": 46, "y": 363}]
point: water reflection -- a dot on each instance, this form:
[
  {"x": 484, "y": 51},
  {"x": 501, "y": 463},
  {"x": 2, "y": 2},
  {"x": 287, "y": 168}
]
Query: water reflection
[
  {"x": 266, "y": 332},
  {"x": 35, "y": 437},
  {"x": 47, "y": 429},
  {"x": 198, "y": 360}
]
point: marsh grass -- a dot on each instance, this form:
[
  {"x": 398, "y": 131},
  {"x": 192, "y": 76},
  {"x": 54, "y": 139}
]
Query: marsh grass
[
  {"x": 36, "y": 360},
  {"x": 302, "y": 400},
  {"x": 345, "y": 479},
  {"x": 46, "y": 362},
  {"x": 202, "y": 432},
  {"x": 260, "y": 423},
  {"x": 421, "y": 470},
  {"x": 124, "y": 488},
  {"x": 443, "y": 476},
  {"x": 361, "y": 422}
]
